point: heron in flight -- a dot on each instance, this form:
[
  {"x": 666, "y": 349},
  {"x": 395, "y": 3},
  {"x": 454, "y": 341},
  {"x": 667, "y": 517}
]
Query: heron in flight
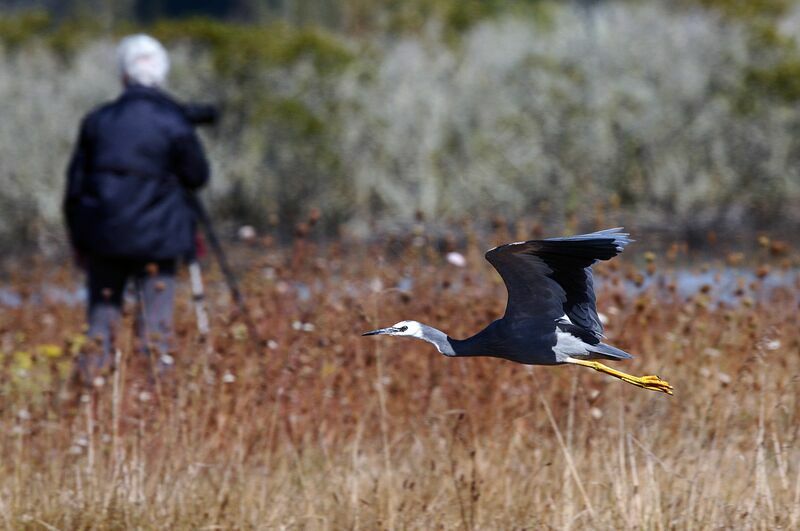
[{"x": 551, "y": 317}]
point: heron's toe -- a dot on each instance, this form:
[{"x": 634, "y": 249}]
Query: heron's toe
[{"x": 654, "y": 383}]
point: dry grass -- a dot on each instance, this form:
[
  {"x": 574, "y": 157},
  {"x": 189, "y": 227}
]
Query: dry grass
[{"x": 328, "y": 430}]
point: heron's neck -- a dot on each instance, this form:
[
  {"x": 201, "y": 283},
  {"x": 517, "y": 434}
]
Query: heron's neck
[{"x": 438, "y": 339}]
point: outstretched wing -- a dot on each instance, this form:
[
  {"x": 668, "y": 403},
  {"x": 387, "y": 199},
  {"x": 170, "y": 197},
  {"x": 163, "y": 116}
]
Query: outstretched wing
[{"x": 553, "y": 277}]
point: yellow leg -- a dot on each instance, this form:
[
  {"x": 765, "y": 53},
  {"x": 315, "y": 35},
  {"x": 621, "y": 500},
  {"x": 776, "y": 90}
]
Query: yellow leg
[{"x": 654, "y": 383}]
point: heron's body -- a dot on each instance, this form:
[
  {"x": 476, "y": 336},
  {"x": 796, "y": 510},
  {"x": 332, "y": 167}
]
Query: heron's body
[
  {"x": 551, "y": 317},
  {"x": 532, "y": 343}
]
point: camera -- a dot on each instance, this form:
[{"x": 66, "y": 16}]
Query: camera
[{"x": 201, "y": 113}]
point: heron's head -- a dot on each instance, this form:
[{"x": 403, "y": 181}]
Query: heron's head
[{"x": 403, "y": 328}]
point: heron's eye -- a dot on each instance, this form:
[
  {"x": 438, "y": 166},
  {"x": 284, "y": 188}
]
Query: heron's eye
[{"x": 403, "y": 328}]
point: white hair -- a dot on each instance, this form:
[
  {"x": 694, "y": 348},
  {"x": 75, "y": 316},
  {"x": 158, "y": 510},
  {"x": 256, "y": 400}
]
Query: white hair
[{"x": 143, "y": 60}]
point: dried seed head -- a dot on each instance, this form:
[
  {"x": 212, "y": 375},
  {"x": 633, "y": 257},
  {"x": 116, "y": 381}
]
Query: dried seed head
[
  {"x": 246, "y": 233},
  {"x": 779, "y": 248}
]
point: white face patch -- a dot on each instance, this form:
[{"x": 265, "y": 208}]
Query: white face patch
[
  {"x": 409, "y": 328},
  {"x": 418, "y": 330}
]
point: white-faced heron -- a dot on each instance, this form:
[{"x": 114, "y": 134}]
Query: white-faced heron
[{"x": 551, "y": 317}]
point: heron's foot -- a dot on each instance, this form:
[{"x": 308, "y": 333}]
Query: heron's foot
[{"x": 651, "y": 382}]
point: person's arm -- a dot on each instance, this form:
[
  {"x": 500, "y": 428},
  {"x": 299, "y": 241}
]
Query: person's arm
[
  {"x": 75, "y": 176},
  {"x": 190, "y": 164}
]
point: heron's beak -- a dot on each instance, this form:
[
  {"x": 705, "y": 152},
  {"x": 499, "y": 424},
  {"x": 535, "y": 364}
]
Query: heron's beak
[{"x": 379, "y": 331}]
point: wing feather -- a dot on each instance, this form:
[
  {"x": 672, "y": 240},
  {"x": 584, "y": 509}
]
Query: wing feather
[{"x": 553, "y": 277}]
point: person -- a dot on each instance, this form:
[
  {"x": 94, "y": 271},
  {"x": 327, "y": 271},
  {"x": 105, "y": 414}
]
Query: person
[{"x": 126, "y": 205}]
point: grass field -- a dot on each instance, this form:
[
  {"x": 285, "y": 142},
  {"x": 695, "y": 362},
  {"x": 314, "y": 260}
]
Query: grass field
[{"x": 325, "y": 429}]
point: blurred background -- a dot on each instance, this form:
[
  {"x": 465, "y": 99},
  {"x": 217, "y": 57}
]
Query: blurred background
[
  {"x": 671, "y": 117},
  {"x": 367, "y": 153}
]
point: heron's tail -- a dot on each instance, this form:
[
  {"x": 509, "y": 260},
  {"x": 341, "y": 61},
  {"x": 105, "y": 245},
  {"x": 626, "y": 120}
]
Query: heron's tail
[{"x": 607, "y": 352}]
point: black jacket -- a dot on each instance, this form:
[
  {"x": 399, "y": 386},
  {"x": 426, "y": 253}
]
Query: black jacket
[{"x": 135, "y": 161}]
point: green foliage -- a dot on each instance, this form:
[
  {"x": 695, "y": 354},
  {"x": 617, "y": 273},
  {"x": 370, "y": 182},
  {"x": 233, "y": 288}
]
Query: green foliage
[
  {"x": 66, "y": 38},
  {"x": 779, "y": 81},
  {"x": 772, "y": 74},
  {"x": 775, "y": 74},
  {"x": 291, "y": 114},
  {"x": 456, "y": 16},
  {"x": 238, "y": 49},
  {"x": 63, "y": 37},
  {"x": 460, "y": 16},
  {"x": 746, "y": 10},
  {"x": 17, "y": 30}
]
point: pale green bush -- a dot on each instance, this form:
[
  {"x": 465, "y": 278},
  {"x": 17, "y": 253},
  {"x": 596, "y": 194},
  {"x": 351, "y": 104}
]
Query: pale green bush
[{"x": 671, "y": 113}]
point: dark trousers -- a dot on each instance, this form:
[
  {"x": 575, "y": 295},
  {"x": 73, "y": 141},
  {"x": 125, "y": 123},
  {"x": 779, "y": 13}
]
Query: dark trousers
[{"x": 154, "y": 283}]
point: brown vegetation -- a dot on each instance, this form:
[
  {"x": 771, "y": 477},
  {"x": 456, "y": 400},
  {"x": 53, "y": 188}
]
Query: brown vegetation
[{"x": 328, "y": 430}]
